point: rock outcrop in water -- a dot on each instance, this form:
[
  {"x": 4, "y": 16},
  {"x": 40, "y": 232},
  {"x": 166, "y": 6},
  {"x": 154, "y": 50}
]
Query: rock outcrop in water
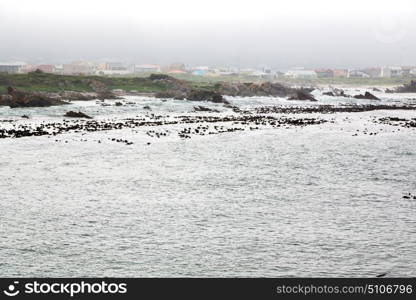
[
  {"x": 77, "y": 96},
  {"x": 201, "y": 95},
  {"x": 406, "y": 88},
  {"x": 254, "y": 89},
  {"x": 179, "y": 89},
  {"x": 102, "y": 90},
  {"x": 367, "y": 96},
  {"x": 337, "y": 93},
  {"x": 17, "y": 98},
  {"x": 302, "y": 96},
  {"x": 74, "y": 114},
  {"x": 205, "y": 109}
]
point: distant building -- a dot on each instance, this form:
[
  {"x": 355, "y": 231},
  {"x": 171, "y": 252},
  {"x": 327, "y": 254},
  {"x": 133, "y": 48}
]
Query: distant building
[
  {"x": 373, "y": 72},
  {"x": 396, "y": 72},
  {"x": 301, "y": 74},
  {"x": 357, "y": 74},
  {"x": 11, "y": 68},
  {"x": 27, "y": 68},
  {"x": 146, "y": 68},
  {"x": 177, "y": 67},
  {"x": 46, "y": 68},
  {"x": 339, "y": 73},
  {"x": 59, "y": 69},
  {"x": 324, "y": 73},
  {"x": 199, "y": 72},
  {"x": 385, "y": 72},
  {"x": 115, "y": 66},
  {"x": 77, "y": 67},
  {"x": 177, "y": 72},
  {"x": 412, "y": 72},
  {"x": 406, "y": 70},
  {"x": 112, "y": 72}
]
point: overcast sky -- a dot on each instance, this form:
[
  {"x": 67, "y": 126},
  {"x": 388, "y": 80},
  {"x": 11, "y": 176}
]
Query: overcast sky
[{"x": 278, "y": 34}]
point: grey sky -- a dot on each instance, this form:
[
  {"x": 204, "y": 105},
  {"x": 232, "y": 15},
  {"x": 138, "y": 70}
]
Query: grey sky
[{"x": 279, "y": 34}]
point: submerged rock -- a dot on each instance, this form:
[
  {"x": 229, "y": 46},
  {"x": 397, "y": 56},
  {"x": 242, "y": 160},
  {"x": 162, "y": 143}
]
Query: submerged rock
[
  {"x": 367, "y": 96},
  {"x": 74, "y": 114}
]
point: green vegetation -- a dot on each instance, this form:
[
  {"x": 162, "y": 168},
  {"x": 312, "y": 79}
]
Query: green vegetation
[{"x": 43, "y": 82}]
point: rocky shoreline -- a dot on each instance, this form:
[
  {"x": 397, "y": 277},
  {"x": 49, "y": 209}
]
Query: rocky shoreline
[{"x": 174, "y": 88}]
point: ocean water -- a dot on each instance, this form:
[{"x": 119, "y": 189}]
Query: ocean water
[{"x": 297, "y": 201}]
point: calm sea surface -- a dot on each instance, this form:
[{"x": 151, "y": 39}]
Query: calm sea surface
[{"x": 298, "y": 201}]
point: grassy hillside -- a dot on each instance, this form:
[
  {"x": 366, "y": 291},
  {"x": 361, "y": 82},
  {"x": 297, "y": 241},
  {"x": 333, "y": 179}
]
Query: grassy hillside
[{"x": 38, "y": 81}]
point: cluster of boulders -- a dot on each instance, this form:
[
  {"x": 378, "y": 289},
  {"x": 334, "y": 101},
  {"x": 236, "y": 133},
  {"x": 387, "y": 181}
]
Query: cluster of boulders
[
  {"x": 264, "y": 89},
  {"x": 406, "y": 88},
  {"x": 101, "y": 89},
  {"x": 337, "y": 93},
  {"x": 341, "y": 93},
  {"x": 15, "y": 98},
  {"x": 302, "y": 95},
  {"x": 178, "y": 89},
  {"x": 367, "y": 96}
]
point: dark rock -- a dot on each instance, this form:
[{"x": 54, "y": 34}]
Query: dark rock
[
  {"x": 5, "y": 100},
  {"x": 407, "y": 88},
  {"x": 249, "y": 89},
  {"x": 367, "y": 96},
  {"x": 101, "y": 89},
  {"x": 302, "y": 95},
  {"x": 171, "y": 94},
  {"x": 25, "y": 116},
  {"x": 174, "y": 85},
  {"x": 27, "y": 99},
  {"x": 119, "y": 104},
  {"x": 74, "y": 114},
  {"x": 203, "y": 108},
  {"x": 336, "y": 93},
  {"x": 77, "y": 96},
  {"x": 204, "y": 95},
  {"x": 147, "y": 107}
]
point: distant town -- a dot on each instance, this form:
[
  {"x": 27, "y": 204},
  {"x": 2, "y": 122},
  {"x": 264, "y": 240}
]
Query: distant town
[{"x": 120, "y": 69}]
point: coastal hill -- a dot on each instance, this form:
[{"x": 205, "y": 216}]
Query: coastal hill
[{"x": 43, "y": 89}]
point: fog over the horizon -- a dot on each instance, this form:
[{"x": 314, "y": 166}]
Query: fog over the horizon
[{"x": 278, "y": 34}]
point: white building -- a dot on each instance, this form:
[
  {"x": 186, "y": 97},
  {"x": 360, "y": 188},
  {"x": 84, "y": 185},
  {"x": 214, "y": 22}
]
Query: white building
[
  {"x": 304, "y": 74},
  {"x": 357, "y": 74},
  {"x": 12, "y": 67},
  {"x": 389, "y": 72},
  {"x": 146, "y": 68}
]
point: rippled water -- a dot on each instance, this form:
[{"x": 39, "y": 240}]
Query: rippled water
[{"x": 312, "y": 201}]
